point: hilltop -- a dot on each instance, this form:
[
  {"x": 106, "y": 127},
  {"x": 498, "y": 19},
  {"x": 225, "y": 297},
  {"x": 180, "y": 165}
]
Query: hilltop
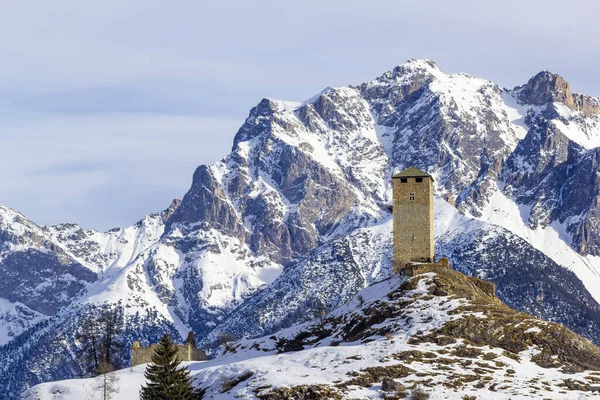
[{"x": 440, "y": 332}]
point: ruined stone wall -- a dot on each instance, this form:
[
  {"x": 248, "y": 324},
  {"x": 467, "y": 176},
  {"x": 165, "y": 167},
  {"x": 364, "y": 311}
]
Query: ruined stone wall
[
  {"x": 143, "y": 355},
  {"x": 423, "y": 268},
  {"x": 412, "y": 269},
  {"x": 413, "y": 220}
]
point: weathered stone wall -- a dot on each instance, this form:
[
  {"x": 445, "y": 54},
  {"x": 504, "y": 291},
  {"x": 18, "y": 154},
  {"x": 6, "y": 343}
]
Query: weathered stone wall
[
  {"x": 143, "y": 355},
  {"x": 423, "y": 268},
  {"x": 413, "y": 220},
  {"x": 412, "y": 269}
]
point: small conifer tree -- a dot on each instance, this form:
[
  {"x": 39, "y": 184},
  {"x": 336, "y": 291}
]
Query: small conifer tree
[{"x": 165, "y": 379}]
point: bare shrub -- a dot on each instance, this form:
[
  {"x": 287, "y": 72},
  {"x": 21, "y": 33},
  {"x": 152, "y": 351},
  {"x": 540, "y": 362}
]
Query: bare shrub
[
  {"x": 419, "y": 394},
  {"x": 230, "y": 383},
  {"x": 361, "y": 300},
  {"x": 226, "y": 340},
  {"x": 107, "y": 382}
]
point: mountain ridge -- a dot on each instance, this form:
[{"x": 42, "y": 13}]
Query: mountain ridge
[{"x": 307, "y": 186}]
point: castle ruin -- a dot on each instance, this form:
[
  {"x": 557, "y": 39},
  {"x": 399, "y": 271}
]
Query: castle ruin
[
  {"x": 412, "y": 217},
  {"x": 185, "y": 352}
]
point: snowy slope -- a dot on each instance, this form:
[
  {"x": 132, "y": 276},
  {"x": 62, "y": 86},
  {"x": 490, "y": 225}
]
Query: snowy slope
[
  {"x": 329, "y": 276},
  {"x": 552, "y": 240},
  {"x": 392, "y": 330},
  {"x": 15, "y": 318}
]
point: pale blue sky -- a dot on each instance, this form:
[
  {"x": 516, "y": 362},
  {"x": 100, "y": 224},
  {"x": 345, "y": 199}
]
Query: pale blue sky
[{"x": 106, "y": 107}]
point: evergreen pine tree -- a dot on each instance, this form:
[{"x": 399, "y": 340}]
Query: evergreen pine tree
[{"x": 165, "y": 379}]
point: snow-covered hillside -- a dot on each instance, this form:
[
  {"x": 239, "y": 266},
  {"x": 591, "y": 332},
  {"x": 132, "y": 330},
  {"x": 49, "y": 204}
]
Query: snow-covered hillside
[
  {"x": 296, "y": 218},
  {"x": 440, "y": 332}
]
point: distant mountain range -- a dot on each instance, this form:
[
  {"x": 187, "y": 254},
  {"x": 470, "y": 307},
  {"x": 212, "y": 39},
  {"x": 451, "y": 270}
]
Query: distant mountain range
[{"x": 295, "y": 220}]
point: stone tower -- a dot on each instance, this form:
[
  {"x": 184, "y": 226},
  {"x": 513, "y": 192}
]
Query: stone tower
[{"x": 413, "y": 217}]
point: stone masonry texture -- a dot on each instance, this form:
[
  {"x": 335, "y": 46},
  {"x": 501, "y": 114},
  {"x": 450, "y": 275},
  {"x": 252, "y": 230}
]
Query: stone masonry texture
[
  {"x": 185, "y": 352},
  {"x": 413, "y": 219}
]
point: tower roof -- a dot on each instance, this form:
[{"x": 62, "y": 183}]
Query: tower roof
[{"x": 412, "y": 172}]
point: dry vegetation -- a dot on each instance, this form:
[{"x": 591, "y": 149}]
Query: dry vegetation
[{"x": 459, "y": 355}]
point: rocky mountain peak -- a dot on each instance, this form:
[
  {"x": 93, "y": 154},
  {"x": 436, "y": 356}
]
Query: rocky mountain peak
[
  {"x": 403, "y": 80},
  {"x": 257, "y": 121},
  {"x": 416, "y": 65},
  {"x": 174, "y": 205},
  {"x": 546, "y": 87}
]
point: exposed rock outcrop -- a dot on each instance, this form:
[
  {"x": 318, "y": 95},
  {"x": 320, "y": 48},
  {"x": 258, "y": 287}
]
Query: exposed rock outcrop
[{"x": 547, "y": 87}]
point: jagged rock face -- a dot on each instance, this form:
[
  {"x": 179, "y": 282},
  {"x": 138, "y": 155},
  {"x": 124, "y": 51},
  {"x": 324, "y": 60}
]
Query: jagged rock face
[
  {"x": 335, "y": 154},
  {"x": 50, "y": 274},
  {"x": 36, "y": 272},
  {"x": 205, "y": 202},
  {"x": 543, "y": 155},
  {"x": 326, "y": 278},
  {"x": 546, "y": 87},
  {"x": 41, "y": 281},
  {"x": 274, "y": 193},
  {"x": 586, "y": 104},
  {"x": 293, "y": 219},
  {"x": 436, "y": 124},
  {"x": 558, "y": 180},
  {"x": 100, "y": 251}
]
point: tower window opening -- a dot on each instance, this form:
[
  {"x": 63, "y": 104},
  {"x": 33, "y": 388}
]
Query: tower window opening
[
  {"x": 403, "y": 180},
  {"x": 411, "y": 196},
  {"x": 419, "y": 179}
]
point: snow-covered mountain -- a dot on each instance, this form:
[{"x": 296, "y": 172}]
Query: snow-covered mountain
[
  {"x": 296, "y": 218},
  {"x": 329, "y": 276},
  {"x": 439, "y": 333}
]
